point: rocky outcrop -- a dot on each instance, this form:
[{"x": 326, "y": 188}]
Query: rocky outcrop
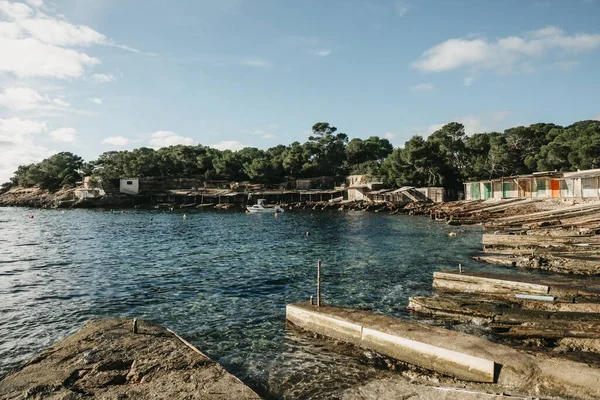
[
  {"x": 35, "y": 197},
  {"x": 106, "y": 359},
  {"x": 63, "y": 198}
]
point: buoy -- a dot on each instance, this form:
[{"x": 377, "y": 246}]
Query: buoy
[
  {"x": 307, "y": 233},
  {"x": 122, "y": 211},
  {"x": 276, "y": 215},
  {"x": 184, "y": 216},
  {"x": 31, "y": 217},
  {"x": 452, "y": 234}
]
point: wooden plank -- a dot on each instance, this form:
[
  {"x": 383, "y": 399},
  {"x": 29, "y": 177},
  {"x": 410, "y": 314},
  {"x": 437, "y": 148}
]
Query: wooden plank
[
  {"x": 478, "y": 284},
  {"x": 537, "y": 240}
]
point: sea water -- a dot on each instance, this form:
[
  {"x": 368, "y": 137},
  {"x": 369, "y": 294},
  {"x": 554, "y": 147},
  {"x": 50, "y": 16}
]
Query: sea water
[{"x": 221, "y": 280}]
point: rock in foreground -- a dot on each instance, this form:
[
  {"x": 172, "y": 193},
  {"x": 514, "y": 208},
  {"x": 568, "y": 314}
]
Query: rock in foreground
[{"x": 105, "y": 359}]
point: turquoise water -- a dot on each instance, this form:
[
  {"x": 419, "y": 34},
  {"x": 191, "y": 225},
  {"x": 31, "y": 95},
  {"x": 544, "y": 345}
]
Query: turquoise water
[{"x": 221, "y": 280}]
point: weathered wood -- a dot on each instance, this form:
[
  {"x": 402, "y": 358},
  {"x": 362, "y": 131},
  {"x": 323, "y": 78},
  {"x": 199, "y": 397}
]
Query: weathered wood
[
  {"x": 567, "y": 212},
  {"x": 478, "y": 284},
  {"x": 532, "y": 331},
  {"x": 537, "y": 240},
  {"x": 505, "y": 314}
]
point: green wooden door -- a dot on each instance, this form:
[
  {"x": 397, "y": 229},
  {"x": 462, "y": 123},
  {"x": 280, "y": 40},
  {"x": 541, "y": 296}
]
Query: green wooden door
[
  {"x": 541, "y": 188},
  {"x": 506, "y": 189},
  {"x": 487, "y": 190},
  {"x": 475, "y": 194}
]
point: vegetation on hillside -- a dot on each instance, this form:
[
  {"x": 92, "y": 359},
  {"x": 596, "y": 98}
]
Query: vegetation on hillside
[{"x": 446, "y": 158}]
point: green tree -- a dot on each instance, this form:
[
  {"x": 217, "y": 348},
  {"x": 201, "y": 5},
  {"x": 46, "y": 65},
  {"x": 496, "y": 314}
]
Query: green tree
[{"x": 326, "y": 150}]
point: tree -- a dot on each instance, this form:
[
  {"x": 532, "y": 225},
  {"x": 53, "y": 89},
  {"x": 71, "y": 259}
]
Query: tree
[
  {"x": 419, "y": 163},
  {"x": 294, "y": 160},
  {"x": 365, "y": 156},
  {"x": 52, "y": 173},
  {"x": 326, "y": 150}
]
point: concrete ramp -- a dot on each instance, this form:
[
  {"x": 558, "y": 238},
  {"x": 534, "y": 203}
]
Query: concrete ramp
[
  {"x": 452, "y": 353},
  {"x": 412, "y": 343}
]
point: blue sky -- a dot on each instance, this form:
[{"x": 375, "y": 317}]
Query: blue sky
[{"x": 92, "y": 76}]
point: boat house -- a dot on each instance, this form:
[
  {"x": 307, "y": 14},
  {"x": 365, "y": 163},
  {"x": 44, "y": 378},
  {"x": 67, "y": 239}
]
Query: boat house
[{"x": 539, "y": 185}]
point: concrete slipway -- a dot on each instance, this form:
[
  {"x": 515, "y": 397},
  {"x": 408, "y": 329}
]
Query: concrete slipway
[{"x": 451, "y": 353}]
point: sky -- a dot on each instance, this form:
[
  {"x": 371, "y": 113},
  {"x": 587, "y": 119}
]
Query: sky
[{"x": 93, "y": 76}]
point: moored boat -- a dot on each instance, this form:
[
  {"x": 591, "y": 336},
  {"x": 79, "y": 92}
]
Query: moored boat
[{"x": 260, "y": 208}]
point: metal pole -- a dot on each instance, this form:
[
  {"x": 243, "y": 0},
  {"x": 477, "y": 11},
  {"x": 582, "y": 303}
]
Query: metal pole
[{"x": 319, "y": 283}]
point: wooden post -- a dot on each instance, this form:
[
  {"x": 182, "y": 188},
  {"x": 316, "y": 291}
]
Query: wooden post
[
  {"x": 319, "y": 283},
  {"x": 135, "y": 325},
  {"x": 460, "y": 269}
]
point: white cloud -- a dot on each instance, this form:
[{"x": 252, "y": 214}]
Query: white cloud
[
  {"x": 15, "y": 11},
  {"x": 96, "y": 100},
  {"x": 232, "y": 145},
  {"x": 20, "y": 127},
  {"x": 32, "y": 58},
  {"x": 35, "y": 3},
  {"x": 64, "y": 134},
  {"x": 21, "y": 98},
  {"x": 60, "y": 102},
  {"x": 323, "y": 53},
  {"x": 597, "y": 117},
  {"x": 506, "y": 54},
  {"x": 15, "y": 137},
  {"x": 389, "y": 136},
  {"x": 35, "y": 44},
  {"x": 168, "y": 138},
  {"x": 60, "y": 33},
  {"x": 268, "y": 136},
  {"x": 401, "y": 7},
  {"x": 104, "y": 78},
  {"x": 255, "y": 62},
  {"x": 118, "y": 141},
  {"x": 422, "y": 87},
  {"x": 24, "y": 98}
]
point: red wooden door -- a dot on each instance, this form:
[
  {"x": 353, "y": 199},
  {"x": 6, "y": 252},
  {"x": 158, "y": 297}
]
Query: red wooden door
[{"x": 555, "y": 186}]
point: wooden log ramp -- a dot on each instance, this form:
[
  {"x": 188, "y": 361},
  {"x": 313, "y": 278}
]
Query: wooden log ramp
[
  {"x": 488, "y": 283},
  {"x": 581, "y": 262},
  {"x": 451, "y": 353},
  {"x": 562, "y": 312},
  {"x": 502, "y": 315},
  {"x": 559, "y": 214}
]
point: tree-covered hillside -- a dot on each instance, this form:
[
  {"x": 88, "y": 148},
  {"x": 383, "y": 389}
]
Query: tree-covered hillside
[{"x": 446, "y": 158}]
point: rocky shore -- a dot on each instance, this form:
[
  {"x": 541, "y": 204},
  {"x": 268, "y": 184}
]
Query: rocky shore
[
  {"x": 106, "y": 359},
  {"x": 64, "y": 198}
]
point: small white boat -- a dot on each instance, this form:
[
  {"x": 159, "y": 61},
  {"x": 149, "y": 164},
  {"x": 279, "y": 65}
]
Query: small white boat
[{"x": 260, "y": 208}]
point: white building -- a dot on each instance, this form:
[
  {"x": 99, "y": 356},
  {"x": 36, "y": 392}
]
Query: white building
[{"x": 129, "y": 185}]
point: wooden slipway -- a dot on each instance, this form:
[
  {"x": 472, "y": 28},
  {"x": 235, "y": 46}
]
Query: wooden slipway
[
  {"x": 452, "y": 353},
  {"x": 502, "y": 284},
  {"x": 538, "y": 240},
  {"x": 468, "y": 282}
]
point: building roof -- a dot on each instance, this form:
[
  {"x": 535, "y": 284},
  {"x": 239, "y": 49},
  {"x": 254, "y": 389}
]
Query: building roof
[
  {"x": 381, "y": 191},
  {"x": 590, "y": 173}
]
